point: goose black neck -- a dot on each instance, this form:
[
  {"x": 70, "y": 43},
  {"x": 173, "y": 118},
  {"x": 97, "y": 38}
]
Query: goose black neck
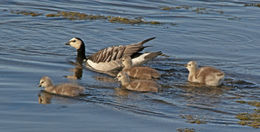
[{"x": 81, "y": 53}]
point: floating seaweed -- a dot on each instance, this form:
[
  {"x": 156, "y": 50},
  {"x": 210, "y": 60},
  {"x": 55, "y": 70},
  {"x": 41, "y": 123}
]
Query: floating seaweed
[
  {"x": 83, "y": 16},
  {"x": 112, "y": 19},
  {"x": 24, "y": 12},
  {"x": 253, "y": 103},
  {"x": 130, "y": 21},
  {"x": 185, "y": 130},
  {"x": 198, "y": 10},
  {"x": 75, "y": 15},
  {"x": 253, "y": 4},
  {"x": 191, "y": 119},
  {"x": 250, "y": 119},
  {"x": 125, "y": 20},
  {"x": 176, "y": 8}
]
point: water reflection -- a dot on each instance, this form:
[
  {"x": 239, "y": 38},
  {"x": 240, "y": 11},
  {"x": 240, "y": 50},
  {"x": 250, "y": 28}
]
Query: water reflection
[
  {"x": 77, "y": 71},
  {"x": 48, "y": 98},
  {"x": 107, "y": 79},
  {"x": 201, "y": 89},
  {"x": 44, "y": 97},
  {"x": 121, "y": 92}
]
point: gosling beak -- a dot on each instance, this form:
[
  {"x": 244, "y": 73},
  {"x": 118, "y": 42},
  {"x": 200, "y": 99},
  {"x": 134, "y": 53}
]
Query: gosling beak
[
  {"x": 39, "y": 85},
  {"x": 185, "y": 65},
  {"x": 68, "y": 43},
  {"x": 115, "y": 79}
]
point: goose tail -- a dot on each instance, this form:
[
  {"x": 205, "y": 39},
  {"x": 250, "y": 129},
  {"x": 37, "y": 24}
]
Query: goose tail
[{"x": 144, "y": 41}]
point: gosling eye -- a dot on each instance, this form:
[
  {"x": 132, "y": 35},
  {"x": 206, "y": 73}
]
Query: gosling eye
[
  {"x": 73, "y": 41},
  {"x": 189, "y": 64}
]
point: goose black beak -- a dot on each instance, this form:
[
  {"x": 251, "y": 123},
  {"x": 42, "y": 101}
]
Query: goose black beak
[{"x": 68, "y": 43}]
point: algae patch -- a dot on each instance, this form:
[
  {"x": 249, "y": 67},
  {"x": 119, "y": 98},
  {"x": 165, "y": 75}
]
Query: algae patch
[
  {"x": 26, "y": 13},
  {"x": 253, "y": 4},
  {"x": 253, "y": 103},
  {"x": 112, "y": 19},
  {"x": 198, "y": 10},
  {"x": 75, "y": 15},
  {"x": 175, "y": 8},
  {"x": 185, "y": 130},
  {"x": 249, "y": 119},
  {"x": 130, "y": 21},
  {"x": 71, "y": 15},
  {"x": 191, "y": 119}
]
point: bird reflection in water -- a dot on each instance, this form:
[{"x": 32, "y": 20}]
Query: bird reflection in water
[
  {"x": 48, "y": 98},
  {"x": 106, "y": 79},
  {"x": 44, "y": 97},
  {"x": 78, "y": 70},
  {"x": 201, "y": 89},
  {"x": 121, "y": 92}
]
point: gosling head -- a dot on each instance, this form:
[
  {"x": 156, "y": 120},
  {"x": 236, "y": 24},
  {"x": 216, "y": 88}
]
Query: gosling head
[
  {"x": 45, "y": 82},
  {"x": 191, "y": 65},
  {"x": 126, "y": 61},
  {"x": 121, "y": 76},
  {"x": 75, "y": 42}
]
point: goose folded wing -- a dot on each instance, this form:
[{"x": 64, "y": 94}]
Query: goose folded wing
[
  {"x": 117, "y": 52},
  {"x": 114, "y": 53}
]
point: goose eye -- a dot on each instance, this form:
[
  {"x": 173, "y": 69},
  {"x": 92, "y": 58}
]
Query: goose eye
[{"x": 73, "y": 41}]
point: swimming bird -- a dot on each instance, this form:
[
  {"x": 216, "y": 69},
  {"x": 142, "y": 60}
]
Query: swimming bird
[
  {"x": 109, "y": 58},
  {"x": 138, "y": 72},
  {"x": 66, "y": 89},
  {"x": 204, "y": 75},
  {"x": 137, "y": 85}
]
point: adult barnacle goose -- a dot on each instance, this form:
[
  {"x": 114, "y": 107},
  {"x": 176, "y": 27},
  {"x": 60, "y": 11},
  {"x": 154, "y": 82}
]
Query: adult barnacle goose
[{"x": 109, "y": 59}]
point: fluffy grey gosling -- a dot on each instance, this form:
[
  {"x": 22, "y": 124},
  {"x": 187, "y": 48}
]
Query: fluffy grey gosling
[
  {"x": 109, "y": 59},
  {"x": 139, "y": 72},
  {"x": 137, "y": 85},
  {"x": 66, "y": 89},
  {"x": 204, "y": 75}
]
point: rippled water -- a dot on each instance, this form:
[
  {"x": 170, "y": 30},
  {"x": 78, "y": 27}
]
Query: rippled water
[{"x": 224, "y": 34}]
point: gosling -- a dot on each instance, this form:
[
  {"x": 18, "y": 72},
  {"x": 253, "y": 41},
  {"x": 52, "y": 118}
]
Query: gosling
[
  {"x": 65, "y": 89},
  {"x": 204, "y": 75},
  {"x": 137, "y": 85},
  {"x": 138, "y": 72}
]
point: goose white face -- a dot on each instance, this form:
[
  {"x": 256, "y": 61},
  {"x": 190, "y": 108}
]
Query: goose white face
[
  {"x": 75, "y": 42},
  {"x": 191, "y": 65}
]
